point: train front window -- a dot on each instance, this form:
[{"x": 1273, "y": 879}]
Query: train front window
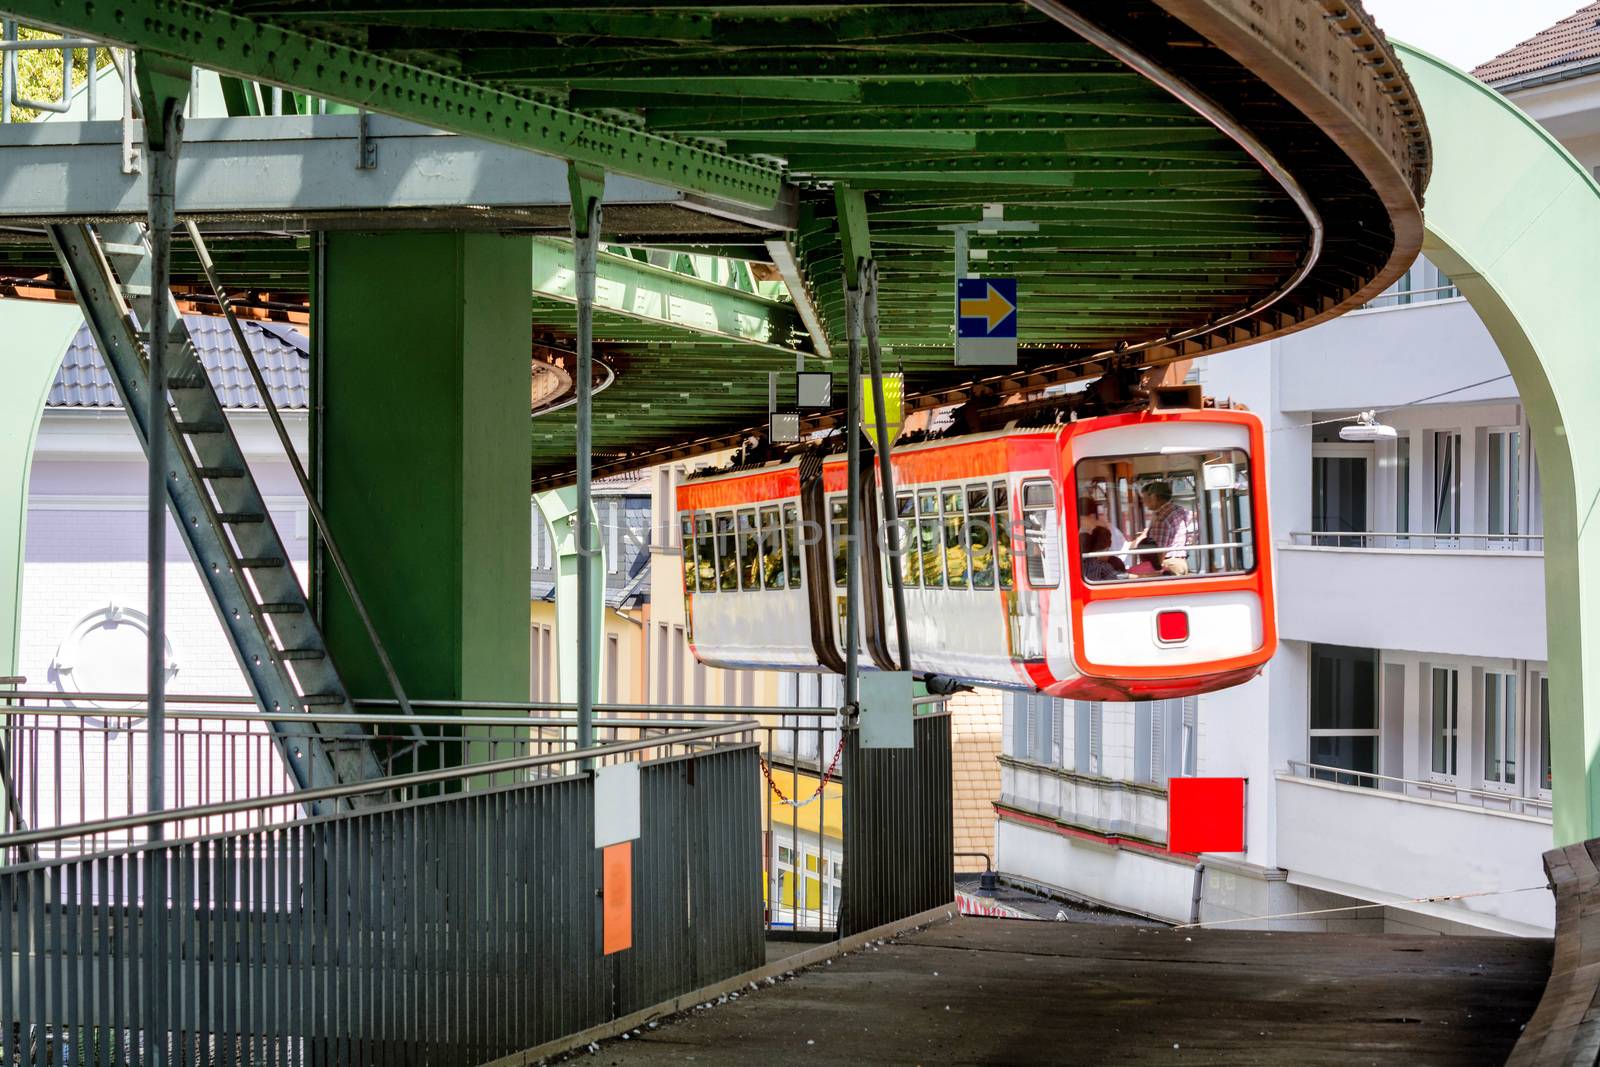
[
  {"x": 1167, "y": 515},
  {"x": 980, "y": 538},
  {"x": 930, "y": 544},
  {"x": 955, "y": 548},
  {"x": 910, "y": 554},
  {"x": 690, "y": 574},
  {"x": 838, "y": 521}
]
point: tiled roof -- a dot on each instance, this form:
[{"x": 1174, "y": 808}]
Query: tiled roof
[
  {"x": 1572, "y": 40},
  {"x": 281, "y": 351}
]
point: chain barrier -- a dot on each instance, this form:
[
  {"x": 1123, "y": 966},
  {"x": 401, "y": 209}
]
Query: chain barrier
[{"x": 783, "y": 798}]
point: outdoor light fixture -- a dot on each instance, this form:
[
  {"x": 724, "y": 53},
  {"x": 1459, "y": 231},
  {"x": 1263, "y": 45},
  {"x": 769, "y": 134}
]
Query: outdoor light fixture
[{"x": 1367, "y": 428}]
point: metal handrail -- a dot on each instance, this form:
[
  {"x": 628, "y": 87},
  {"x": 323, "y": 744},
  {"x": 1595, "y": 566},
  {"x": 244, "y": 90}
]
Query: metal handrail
[
  {"x": 482, "y": 705},
  {"x": 364, "y": 720},
  {"x": 1167, "y": 548},
  {"x": 1427, "y": 535},
  {"x": 310, "y": 495},
  {"x": 365, "y": 788},
  {"x": 1444, "y": 787},
  {"x": 1399, "y": 293}
]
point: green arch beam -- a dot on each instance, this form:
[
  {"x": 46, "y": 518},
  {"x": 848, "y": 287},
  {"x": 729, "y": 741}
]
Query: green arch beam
[{"x": 1515, "y": 221}]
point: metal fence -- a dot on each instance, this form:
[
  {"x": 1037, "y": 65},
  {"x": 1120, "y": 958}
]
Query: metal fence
[
  {"x": 447, "y": 930},
  {"x": 900, "y": 823},
  {"x": 66, "y": 763}
]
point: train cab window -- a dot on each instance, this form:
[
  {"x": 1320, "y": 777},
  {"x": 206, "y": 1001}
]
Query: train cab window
[
  {"x": 691, "y": 573},
  {"x": 705, "y": 554},
  {"x": 930, "y": 543},
  {"x": 749, "y": 552},
  {"x": 1177, "y": 514},
  {"x": 980, "y": 537},
  {"x": 727, "y": 555},
  {"x": 771, "y": 549},
  {"x": 1041, "y": 536},
  {"x": 955, "y": 548},
  {"x": 905, "y": 507},
  {"x": 791, "y": 544},
  {"x": 837, "y": 523},
  {"x": 1002, "y": 534}
]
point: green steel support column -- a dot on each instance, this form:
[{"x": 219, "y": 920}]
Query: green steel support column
[
  {"x": 423, "y": 452},
  {"x": 37, "y": 335},
  {"x": 560, "y": 508},
  {"x": 588, "y": 189},
  {"x": 1515, "y": 221}
]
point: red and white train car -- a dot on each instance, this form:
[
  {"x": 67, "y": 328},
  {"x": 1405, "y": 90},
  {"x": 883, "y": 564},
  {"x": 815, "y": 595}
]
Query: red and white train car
[{"x": 1023, "y": 565}]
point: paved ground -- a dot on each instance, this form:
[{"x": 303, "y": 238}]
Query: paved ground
[{"x": 994, "y": 991}]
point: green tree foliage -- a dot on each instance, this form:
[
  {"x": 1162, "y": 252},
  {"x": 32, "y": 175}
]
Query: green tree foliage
[{"x": 39, "y": 73}]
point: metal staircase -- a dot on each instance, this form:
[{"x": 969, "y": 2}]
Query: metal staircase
[{"x": 219, "y": 509}]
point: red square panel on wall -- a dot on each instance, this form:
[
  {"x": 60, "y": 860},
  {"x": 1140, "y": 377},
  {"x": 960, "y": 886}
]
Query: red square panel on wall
[{"x": 1205, "y": 814}]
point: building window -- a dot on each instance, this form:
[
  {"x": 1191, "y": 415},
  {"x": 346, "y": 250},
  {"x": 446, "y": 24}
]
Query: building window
[
  {"x": 1445, "y": 704},
  {"x": 1544, "y": 733},
  {"x": 1088, "y": 750},
  {"x": 1344, "y": 711},
  {"x": 1499, "y": 729},
  {"x": 663, "y": 676},
  {"x": 1163, "y": 739},
  {"x": 1036, "y": 728},
  {"x": 613, "y": 667},
  {"x": 1402, "y": 484},
  {"x": 1339, "y": 477},
  {"x": 1447, "y": 483},
  {"x": 1504, "y": 461},
  {"x": 679, "y": 646}
]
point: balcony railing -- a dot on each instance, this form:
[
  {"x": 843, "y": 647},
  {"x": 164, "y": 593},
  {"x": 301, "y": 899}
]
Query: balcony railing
[
  {"x": 1400, "y": 298},
  {"x": 1393, "y": 540},
  {"x": 1443, "y": 792}
]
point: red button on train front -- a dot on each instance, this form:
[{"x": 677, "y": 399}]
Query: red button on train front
[{"x": 1172, "y": 626}]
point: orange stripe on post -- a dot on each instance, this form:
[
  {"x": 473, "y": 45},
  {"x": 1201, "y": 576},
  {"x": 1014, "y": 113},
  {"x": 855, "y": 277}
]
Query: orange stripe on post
[{"x": 616, "y": 883}]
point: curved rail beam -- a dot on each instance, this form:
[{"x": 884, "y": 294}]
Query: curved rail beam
[{"x": 1515, "y": 221}]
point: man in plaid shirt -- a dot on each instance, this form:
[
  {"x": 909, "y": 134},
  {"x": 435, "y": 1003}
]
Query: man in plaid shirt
[{"x": 1171, "y": 526}]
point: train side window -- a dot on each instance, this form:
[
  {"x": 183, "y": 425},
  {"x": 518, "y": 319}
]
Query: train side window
[
  {"x": 930, "y": 545},
  {"x": 771, "y": 549},
  {"x": 727, "y": 554},
  {"x": 1002, "y": 535},
  {"x": 905, "y": 507},
  {"x": 1043, "y": 540},
  {"x": 955, "y": 548},
  {"x": 691, "y": 573},
  {"x": 791, "y": 543},
  {"x": 706, "y": 554},
  {"x": 836, "y": 528},
  {"x": 749, "y": 552},
  {"x": 980, "y": 537}
]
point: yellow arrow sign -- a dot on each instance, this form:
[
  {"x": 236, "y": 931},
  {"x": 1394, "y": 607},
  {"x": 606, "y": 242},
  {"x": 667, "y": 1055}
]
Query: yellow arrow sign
[{"x": 992, "y": 307}]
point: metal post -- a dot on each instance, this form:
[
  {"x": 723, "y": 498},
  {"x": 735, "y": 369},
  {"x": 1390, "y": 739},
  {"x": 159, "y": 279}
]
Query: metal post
[
  {"x": 891, "y": 518},
  {"x": 586, "y": 213},
  {"x": 163, "y": 175},
  {"x": 852, "y": 424}
]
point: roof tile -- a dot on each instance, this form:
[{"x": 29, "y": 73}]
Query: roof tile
[{"x": 1572, "y": 40}]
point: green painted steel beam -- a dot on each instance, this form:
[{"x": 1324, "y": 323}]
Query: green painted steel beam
[
  {"x": 233, "y": 44},
  {"x": 657, "y": 300}
]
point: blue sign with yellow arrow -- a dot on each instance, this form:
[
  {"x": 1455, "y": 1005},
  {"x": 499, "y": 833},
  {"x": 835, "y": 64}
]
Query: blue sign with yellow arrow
[{"x": 986, "y": 322}]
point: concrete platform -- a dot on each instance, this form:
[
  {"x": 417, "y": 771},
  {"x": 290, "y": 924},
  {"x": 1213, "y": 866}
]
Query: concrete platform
[{"x": 994, "y": 991}]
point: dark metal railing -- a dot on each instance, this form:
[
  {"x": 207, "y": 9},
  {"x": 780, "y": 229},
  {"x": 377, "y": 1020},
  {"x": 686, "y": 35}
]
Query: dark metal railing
[{"x": 449, "y": 930}]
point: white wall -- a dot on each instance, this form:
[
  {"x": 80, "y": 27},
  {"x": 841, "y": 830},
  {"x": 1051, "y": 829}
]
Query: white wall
[
  {"x": 1099, "y": 872},
  {"x": 1373, "y": 845},
  {"x": 1470, "y": 603}
]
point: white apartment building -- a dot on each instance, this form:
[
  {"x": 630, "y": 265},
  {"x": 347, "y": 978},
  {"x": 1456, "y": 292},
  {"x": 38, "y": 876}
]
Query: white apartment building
[{"x": 1397, "y": 747}]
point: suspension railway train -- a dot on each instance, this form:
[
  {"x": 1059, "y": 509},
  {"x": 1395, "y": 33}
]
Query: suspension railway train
[{"x": 1023, "y": 567}]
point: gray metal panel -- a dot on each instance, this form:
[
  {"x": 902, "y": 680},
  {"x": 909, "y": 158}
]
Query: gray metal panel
[{"x": 294, "y": 164}]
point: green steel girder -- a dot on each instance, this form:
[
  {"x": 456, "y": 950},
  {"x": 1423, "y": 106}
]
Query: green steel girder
[
  {"x": 243, "y": 46},
  {"x": 635, "y": 300}
]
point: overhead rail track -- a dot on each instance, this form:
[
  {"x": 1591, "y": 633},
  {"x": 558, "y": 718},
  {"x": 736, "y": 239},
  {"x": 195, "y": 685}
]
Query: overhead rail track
[{"x": 1168, "y": 226}]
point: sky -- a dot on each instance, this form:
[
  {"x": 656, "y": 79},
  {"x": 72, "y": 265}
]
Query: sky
[{"x": 1467, "y": 32}]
